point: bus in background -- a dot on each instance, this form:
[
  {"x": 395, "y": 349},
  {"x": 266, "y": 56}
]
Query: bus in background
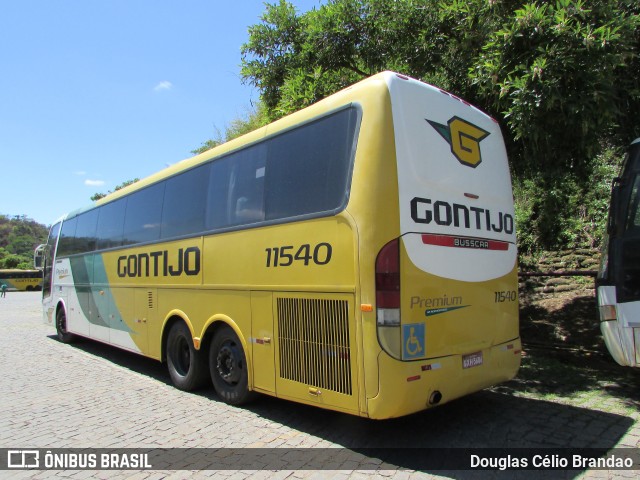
[
  {"x": 358, "y": 255},
  {"x": 618, "y": 282},
  {"x": 21, "y": 280}
]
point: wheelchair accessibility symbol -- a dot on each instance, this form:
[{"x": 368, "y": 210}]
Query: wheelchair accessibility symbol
[{"x": 413, "y": 341}]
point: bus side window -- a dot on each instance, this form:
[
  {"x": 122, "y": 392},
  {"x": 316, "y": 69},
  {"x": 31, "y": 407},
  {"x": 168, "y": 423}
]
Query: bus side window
[
  {"x": 111, "y": 224},
  {"x": 86, "y": 232},
  {"x": 143, "y": 215},
  {"x": 308, "y": 168},
  {"x": 185, "y": 203},
  {"x": 246, "y": 197},
  {"x": 217, "y": 211},
  {"x": 67, "y": 238}
]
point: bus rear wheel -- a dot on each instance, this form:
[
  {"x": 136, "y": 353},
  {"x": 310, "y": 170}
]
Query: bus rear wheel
[
  {"x": 187, "y": 367},
  {"x": 228, "y": 367},
  {"x": 61, "y": 327}
]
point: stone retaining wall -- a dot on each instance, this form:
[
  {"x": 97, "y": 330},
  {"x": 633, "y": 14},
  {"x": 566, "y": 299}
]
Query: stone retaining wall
[{"x": 564, "y": 260}]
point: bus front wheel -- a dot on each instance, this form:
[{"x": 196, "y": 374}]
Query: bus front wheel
[
  {"x": 61, "y": 327},
  {"x": 187, "y": 366},
  {"x": 228, "y": 367}
]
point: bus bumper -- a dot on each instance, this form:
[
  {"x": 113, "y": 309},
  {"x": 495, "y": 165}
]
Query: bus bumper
[
  {"x": 623, "y": 343},
  {"x": 408, "y": 387}
]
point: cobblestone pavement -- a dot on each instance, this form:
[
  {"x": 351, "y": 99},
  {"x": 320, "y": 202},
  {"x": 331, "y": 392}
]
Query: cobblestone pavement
[{"x": 90, "y": 395}]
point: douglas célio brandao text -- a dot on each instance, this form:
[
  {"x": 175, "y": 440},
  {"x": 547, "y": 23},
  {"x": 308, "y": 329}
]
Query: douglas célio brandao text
[{"x": 550, "y": 461}]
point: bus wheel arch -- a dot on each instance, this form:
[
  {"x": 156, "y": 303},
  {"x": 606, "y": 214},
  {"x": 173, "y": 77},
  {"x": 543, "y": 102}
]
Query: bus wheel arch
[
  {"x": 187, "y": 366},
  {"x": 229, "y": 362}
]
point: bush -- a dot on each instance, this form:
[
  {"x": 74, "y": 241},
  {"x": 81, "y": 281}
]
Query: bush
[{"x": 559, "y": 210}]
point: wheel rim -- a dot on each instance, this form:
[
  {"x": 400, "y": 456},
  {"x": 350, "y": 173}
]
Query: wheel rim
[
  {"x": 229, "y": 363},
  {"x": 181, "y": 356},
  {"x": 62, "y": 324}
]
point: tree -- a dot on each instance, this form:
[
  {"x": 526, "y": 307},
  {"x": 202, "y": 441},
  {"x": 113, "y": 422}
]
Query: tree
[
  {"x": 97, "y": 196},
  {"x": 251, "y": 120},
  {"x": 564, "y": 77},
  {"x": 19, "y": 236},
  {"x": 561, "y": 77}
]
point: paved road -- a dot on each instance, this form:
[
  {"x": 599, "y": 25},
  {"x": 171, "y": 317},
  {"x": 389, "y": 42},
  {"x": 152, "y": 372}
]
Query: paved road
[{"x": 89, "y": 395}]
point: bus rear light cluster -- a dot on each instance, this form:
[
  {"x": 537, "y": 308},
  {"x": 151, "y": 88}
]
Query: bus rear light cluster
[{"x": 388, "y": 284}]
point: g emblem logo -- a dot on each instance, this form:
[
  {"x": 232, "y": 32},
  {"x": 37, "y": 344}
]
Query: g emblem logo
[{"x": 464, "y": 139}]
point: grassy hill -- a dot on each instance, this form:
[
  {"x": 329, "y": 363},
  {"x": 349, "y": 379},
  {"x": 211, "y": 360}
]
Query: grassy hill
[{"x": 19, "y": 236}]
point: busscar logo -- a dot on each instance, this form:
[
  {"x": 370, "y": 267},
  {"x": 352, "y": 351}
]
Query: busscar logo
[{"x": 464, "y": 139}]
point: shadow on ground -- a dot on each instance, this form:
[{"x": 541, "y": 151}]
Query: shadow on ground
[
  {"x": 565, "y": 353},
  {"x": 486, "y": 420}
]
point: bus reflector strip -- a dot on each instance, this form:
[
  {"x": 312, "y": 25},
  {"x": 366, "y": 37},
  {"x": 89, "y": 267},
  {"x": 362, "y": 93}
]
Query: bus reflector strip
[
  {"x": 413, "y": 379},
  {"x": 511, "y": 346},
  {"x": 432, "y": 366},
  {"x": 464, "y": 242}
]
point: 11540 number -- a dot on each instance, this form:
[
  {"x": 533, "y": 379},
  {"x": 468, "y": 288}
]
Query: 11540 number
[
  {"x": 284, "y": 256},
  {"x": 505, "y": 296}
]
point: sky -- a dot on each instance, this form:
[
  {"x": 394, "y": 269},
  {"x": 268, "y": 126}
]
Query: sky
[{"x": 94, "y": 93}]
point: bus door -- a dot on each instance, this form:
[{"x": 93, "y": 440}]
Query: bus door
[
  {"x": 44, "y": 258},
  {"x": 262, "y": 342},
  {"x": 47, "y": 251}
]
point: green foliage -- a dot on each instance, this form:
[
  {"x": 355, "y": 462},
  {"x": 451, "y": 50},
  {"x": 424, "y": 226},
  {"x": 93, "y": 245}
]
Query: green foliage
[
  {"x": 98, "y": 196},
  {"x": 252, "y": 120},
  {"x": 556, "y": 210},
  {"x": 562, "y": 77},
  {"x": 558, "y": 74},
  {"x": 298, "y": 60},
  {"x": 19, "y": 236}
]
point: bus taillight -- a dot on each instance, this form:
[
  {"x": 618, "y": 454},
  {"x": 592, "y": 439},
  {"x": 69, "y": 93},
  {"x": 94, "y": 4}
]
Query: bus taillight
[{"x": 388, "y": 284}]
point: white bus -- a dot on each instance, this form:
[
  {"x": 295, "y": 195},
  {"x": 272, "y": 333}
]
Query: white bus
[{"x": 618, "y": 282}]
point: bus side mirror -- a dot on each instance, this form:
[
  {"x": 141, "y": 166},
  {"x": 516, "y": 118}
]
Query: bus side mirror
[{"x": 38, "y": 257}]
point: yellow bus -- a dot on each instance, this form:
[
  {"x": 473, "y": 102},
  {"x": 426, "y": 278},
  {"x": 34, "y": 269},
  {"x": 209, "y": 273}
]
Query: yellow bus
[
  {"x": 21, "y": 280},
  {"x": 358, "y": 255}
]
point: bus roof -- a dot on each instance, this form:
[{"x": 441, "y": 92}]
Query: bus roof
[{"x": 326, "y": 105}]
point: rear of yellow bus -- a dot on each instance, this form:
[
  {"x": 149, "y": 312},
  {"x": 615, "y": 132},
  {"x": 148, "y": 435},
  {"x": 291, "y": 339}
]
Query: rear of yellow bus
[{"x": 446, "y": 300}]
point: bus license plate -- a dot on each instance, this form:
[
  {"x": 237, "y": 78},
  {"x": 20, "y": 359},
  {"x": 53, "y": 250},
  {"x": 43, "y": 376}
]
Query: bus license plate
[{"x": 472, "y": 360}]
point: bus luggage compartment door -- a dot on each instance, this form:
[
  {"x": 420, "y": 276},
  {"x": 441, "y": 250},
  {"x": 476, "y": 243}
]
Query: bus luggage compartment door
[
  {"x": 262, "y": 344},
  {"x": 316, "y": 349}
]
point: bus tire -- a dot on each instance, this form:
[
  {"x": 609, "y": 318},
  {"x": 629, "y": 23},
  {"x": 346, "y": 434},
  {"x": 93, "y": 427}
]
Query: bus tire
[
  {"x": 187, "y": 367},
  {"x": 61, "y": 327},
  {"x": 228, "y": 367}
]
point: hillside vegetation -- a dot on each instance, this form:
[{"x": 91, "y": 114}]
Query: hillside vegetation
[
  {"x": 19, "y": 236},
  {"x": 562, "y": 78}
]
